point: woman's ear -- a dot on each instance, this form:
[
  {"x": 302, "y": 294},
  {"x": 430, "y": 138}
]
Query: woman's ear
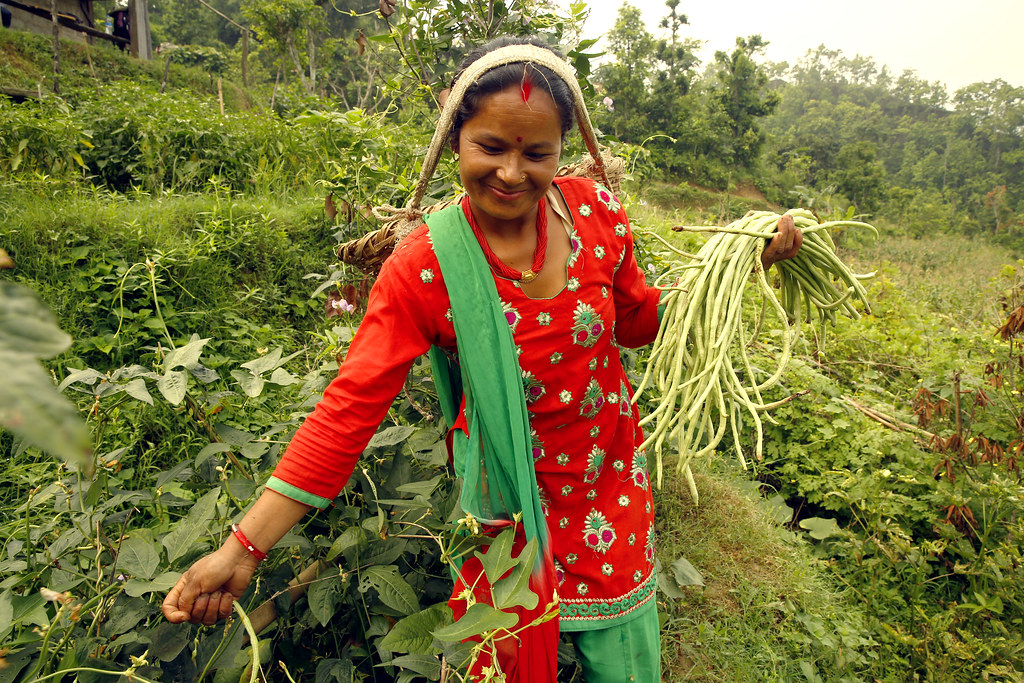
[{"x": 442, "y": 97}]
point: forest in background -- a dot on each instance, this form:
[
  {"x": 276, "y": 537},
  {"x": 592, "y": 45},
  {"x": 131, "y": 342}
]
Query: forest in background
[
  {"x": 840, "y": 128},
  {"x": 187, "y": 247}
]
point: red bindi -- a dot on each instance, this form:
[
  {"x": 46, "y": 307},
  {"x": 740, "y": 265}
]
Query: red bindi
[
  {"x": 519, "y": 139},
  {"x": 525, "y": 89}
]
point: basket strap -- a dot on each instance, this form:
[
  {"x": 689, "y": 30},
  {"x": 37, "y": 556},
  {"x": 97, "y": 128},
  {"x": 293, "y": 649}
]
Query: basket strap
[{"x": 505, "y": 55}]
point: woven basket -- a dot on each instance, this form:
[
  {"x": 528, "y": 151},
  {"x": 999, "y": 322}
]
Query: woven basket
[{"x": 371, "y": 250}]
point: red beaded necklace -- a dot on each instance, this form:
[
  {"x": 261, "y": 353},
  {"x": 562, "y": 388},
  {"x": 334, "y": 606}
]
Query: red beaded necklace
[{"x": 501, "y": 269}]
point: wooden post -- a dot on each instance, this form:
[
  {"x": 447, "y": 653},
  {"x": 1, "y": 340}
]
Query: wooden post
[
  {"x": 138, "y": 18},
  {"x": 167, "y": 68},
  {"x": 220, "y": 96},
  {"x": 56, "y": 47},
  {"x": 88, "y": 56},
  {"x": 245, "y": 58}
]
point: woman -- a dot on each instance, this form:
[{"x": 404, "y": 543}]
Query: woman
[{"x": 560, "y": 264}]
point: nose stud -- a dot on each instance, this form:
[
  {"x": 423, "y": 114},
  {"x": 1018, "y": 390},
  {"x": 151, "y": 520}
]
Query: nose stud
[{"x": 523, "y": 178}]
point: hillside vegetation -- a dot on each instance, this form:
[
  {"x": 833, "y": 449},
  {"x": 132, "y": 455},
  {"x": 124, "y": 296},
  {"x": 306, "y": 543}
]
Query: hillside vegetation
[{"x": 189, "y": 253}]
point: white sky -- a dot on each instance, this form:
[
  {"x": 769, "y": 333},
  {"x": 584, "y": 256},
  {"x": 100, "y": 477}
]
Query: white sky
[{"x": 957, "y": 43}]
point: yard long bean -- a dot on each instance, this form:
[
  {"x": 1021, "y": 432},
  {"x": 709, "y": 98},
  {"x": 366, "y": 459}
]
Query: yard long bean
[{"x": 703, "y": 392}]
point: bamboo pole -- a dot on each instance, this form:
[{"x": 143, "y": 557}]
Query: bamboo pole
[
  {"x": 167, "y": 68},
  {"x": 220, "y": 96},
  {"x": 56, "y": 47},
  {"x": 245, "y": 58}
]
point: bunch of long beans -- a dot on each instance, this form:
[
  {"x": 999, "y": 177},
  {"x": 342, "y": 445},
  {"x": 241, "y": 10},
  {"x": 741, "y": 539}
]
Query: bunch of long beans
[{"x": 699, "y": 362}]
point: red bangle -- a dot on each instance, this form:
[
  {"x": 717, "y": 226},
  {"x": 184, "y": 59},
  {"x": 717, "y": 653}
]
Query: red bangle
[{"x": 247, "y": 544}]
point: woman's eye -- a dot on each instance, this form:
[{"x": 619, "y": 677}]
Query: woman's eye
[
  {"x": 490, "y": 150},
  {"x": 536, "y": 156}
]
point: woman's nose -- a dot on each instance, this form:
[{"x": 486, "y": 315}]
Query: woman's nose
[{"x": 510, "y": 171}]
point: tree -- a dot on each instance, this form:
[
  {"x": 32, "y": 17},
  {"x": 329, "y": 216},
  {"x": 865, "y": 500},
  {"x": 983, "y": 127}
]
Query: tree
[
  {"x": 290, "y": 26},
  {"x": 860, "y": 176},
  {"x": 744, "y": 98},
  {"x": 626, "y": 80}
]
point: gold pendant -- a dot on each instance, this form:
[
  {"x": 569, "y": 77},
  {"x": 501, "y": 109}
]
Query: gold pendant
[{"x": 528, "y": 276}]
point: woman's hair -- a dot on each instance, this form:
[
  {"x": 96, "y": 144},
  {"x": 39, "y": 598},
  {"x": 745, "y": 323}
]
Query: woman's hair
[{"x": 516, "y": 73}]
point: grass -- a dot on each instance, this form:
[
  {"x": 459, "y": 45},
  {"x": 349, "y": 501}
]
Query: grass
[
  {"x": 26, "y": 62},
  {"x": 765, "y": 597}
]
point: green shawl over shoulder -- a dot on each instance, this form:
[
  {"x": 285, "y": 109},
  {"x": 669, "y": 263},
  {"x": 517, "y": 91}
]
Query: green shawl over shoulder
[{"x": 494, "y": 459}]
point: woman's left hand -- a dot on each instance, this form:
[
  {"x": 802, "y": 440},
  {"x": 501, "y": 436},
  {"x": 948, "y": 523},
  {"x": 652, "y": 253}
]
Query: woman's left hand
[{"x": 784, "y": 245}]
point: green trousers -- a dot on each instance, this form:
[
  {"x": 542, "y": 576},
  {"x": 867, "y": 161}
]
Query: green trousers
[{"x": 630, "y": 653}]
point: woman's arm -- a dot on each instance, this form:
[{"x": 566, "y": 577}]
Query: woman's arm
[
  {"x": 205, "y": 592},
  {"x": 400, "y": 324}
]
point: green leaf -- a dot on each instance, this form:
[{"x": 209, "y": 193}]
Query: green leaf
[
  {"x": 182, "y": 538},
  {"x": 393, "y": 589},
  {"x": 173, "y": 386},
  {"x": 33, "y": 409},
  {"x": 820, "y": 527},
  {"x": 185, "y": 356},
  {"x": 392, "y": 436},
  {"x": 349, "y": 538},
  {"x": 269, "y": 361},
  {"x": 325, "y": 595},
  {"x": 211, "y": 449},
  {"x": 138, "y": 557},
  {"x": 424, "y": 665},
  {"x": 167, "y": 640},
  {"x": 420, "y": 488},
  {"x": 87, "y": 376},
  {"x": 686, "y": 574},
  {"x": 26, "y": 325},
  {"x": 479, "y": 618},
  {"x": 498, "y": 558},
  {"x": 6, "y": 613},
  {"x": 413, "y": 634},
  {"x": 282, "y": 377},
  {"x": 137, "y": 390},
  {"x": 779, "y": 511},
  {"x": 252, "y": 385},
  {"x": 335, "y": 671},
  {"x": 161, "y": 584},
  {"x": 514, "y": 589}
]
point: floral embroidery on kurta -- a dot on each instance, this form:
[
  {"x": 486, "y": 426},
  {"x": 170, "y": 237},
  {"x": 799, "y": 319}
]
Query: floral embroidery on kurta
[
  {"x": 649, "y": 545},
  {"x": 594, "y": 462},
  {"x": 511, "y": 315},
  {"x": 427, "y": 275},
  {"x": 608, "y": 199},
  {"x": 536, "y": 445},
  {"x": 638, "y": 473},
  {"x": 532, "y": 387},
  {"x": 593, "y": 400},
  {"x": 598, "y": 533},
  {"x": 587, "y": 325},
  {"x": 576, "y": 248}
]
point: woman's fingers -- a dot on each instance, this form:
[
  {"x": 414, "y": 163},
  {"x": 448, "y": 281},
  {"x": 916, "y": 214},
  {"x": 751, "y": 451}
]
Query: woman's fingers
[
  {"x": 784, "y": 244},
  {"x": 176, "y": 607}
]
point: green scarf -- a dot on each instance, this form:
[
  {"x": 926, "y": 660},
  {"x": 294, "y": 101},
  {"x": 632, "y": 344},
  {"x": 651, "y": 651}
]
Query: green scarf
[{"x": 495, "y": 459}]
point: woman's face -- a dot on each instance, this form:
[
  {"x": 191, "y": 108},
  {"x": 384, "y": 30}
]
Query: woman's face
[{"x": 508, "y": 154}]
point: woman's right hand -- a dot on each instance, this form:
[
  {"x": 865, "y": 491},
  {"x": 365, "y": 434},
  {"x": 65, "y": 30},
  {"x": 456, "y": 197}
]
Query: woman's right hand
[{"x": 204, "y": 594}]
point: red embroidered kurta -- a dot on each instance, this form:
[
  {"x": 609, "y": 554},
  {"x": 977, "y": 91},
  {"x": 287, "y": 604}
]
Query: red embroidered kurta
[{"x": 593, "y": 482}]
